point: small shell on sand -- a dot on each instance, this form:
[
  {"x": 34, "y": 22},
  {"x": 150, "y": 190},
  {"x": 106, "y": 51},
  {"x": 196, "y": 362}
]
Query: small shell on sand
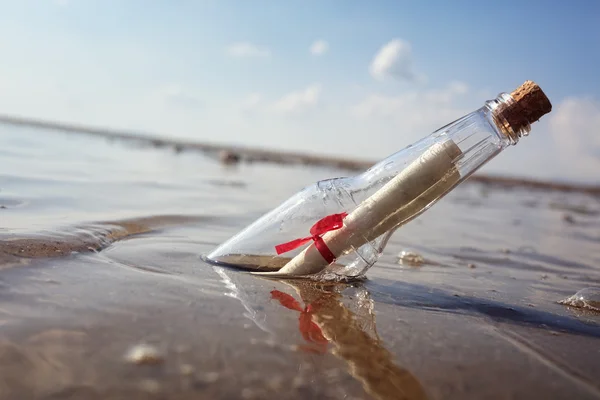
[
  {"x": 144, "y": 354},
  {"x": 410, "y": 258}
]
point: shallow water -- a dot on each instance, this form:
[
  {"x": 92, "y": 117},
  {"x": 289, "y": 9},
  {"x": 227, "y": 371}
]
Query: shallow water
[{"x": 100, "y": 245}]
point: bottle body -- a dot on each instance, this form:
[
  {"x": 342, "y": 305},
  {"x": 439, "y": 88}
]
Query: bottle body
[{"x": 376, "y": 202}]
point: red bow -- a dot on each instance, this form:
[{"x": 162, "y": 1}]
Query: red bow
[{"x": 324, "y": 225}]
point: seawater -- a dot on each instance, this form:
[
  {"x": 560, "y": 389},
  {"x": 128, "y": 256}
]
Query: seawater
[{"x": 100, "y": 256}]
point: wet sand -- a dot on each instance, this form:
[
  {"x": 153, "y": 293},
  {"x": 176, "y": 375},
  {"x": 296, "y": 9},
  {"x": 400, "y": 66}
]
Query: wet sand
[
  {"x": 95, "y": 237},
  {"x": 100, "y": 252}
]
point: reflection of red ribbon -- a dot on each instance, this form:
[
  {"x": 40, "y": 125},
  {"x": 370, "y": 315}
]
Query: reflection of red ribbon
[
  {"x": 324, "y": 225},
  {"x": 308, "y": 328}
]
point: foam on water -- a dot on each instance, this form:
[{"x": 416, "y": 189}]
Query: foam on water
[{"x": 588, "y": 298}]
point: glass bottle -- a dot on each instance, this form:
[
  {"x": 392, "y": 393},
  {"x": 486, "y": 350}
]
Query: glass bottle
[{"x": 338, "y": 228}]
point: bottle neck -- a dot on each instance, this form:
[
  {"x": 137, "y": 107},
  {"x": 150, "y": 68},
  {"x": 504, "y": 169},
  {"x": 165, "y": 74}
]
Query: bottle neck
[{"x": 501, "y": 108}]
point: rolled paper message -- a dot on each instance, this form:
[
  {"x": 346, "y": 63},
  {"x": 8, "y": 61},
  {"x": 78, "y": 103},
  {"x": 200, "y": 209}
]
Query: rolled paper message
[{"x": 401, "y": 199}]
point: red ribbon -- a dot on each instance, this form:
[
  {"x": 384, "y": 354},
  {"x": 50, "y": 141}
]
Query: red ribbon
[{"x": 322, "y": 226}]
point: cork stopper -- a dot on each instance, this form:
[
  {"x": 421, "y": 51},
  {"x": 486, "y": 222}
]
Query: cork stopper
[{"x": 530, "y": 104}]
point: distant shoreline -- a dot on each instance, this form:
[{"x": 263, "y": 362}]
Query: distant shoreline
[{"x": 230, "y": 153}]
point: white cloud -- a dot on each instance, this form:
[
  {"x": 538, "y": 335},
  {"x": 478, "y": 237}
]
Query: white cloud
[
  {"x": 178, "y": 96},
  {"x": 295, "y": 102},
  {"x": 319, "y": 47},
  {"x": 298, "y": 101},
  {"x": 574, "y": 126},
  {"x": 395, "y": 60},
  {"x": 420, "y": 110},
  {"x": 252, "y": 101},
  {"x": 245, "y": 49}
]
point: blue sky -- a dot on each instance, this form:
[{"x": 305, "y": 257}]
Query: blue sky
[{"x": 350, "y": 78}]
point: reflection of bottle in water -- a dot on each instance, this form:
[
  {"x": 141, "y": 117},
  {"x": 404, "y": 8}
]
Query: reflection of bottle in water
[
  {"x": 356, "y": 299},
  {"x": 239, "y": 288},
  {"x": 331, "y": 318},
  {"x": 383, "y": 198},
  {"x": 345, "y": 317},
  {"x": 256, "y": 303}
]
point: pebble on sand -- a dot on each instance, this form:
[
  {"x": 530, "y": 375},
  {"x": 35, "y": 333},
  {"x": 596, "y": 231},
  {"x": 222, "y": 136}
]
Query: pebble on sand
[
  {"x": 144, "y": 354},
  {"x": 229, "y": 157}
]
